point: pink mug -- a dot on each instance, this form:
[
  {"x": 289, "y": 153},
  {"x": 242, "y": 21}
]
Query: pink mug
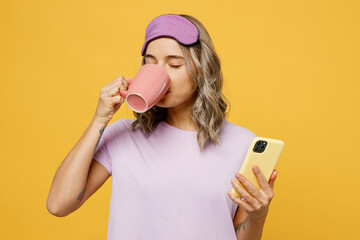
[{"x": 147, "y": 88}]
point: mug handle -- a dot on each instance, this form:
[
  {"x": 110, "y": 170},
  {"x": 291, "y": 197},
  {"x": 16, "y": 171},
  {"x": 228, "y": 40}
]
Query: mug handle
[{"x": 125, "y": 93}]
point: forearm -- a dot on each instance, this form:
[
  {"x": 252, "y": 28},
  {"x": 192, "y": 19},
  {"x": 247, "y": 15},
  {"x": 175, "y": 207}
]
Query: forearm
[
  {"x": 249, "y": 229},
  {"x": 69, "y": 181}
]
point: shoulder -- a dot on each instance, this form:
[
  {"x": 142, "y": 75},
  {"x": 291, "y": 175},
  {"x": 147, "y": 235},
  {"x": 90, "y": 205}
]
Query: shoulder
[
  {"x": 119, "y": 126},
  {"x": 235, "y": 131},
  {"x": 122, "y": 123}
]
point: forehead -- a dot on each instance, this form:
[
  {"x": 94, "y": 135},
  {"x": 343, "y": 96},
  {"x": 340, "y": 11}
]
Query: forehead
[{"x": 164, "y": 47}]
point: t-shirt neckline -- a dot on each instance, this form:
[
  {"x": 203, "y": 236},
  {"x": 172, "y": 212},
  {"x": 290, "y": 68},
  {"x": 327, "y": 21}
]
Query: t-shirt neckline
[{"x": 170, "y": 127}]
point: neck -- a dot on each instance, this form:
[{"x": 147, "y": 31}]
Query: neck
[{"x": 180, "y": 117}]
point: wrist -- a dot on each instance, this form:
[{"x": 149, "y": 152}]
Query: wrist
[
  {"x": 257, "y": 220},
  {"x": 100, "y": 121}
]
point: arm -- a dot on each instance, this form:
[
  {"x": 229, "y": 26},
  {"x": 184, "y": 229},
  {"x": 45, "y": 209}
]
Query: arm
[
  {"x": 249, "y": 229},
  {"x": 69, "y": 182},
  {"x": 255, "y": 204}
]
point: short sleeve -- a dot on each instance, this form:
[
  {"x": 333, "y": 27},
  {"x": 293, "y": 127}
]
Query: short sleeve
[
  {"x": 252, "y": 136},
  {"x": 101, "y": 152}
]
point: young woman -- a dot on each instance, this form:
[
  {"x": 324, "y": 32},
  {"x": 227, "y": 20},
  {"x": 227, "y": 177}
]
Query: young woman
[{"x": 171, "y": 166}]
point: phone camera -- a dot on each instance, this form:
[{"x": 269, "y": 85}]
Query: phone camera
[{"x": 260, "y": 146}]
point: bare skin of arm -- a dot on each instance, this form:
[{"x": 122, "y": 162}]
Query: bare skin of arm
[
  {"x": 240, "y": 219},
  {"x": 78, "y": 176}
]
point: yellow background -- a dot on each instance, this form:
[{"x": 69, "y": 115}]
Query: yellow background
[{"x": 291, "y": 72}]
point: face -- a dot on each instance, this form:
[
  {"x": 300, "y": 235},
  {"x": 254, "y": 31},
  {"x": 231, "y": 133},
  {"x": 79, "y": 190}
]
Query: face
[{"x": 181, "y": 88}]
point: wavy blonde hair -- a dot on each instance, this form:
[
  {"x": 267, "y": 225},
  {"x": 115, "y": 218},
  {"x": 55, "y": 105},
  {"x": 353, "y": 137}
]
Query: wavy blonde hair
[{"x": 209, "y": 109}]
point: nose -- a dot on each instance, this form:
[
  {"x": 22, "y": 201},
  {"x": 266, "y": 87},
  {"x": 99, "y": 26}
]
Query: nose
[{"x": 163, "y": 66}]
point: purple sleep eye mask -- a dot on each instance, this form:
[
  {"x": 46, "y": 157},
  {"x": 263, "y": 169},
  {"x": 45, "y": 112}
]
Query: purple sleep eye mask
[{"x": 171, "y": 25}]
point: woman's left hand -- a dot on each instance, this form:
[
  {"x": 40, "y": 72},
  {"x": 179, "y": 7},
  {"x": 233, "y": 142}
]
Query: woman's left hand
[{"x": 256, "y": 204}]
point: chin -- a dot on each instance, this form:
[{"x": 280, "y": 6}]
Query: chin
[
  {"x": 161, "y": 104},
  {"x": 164, "y": 104}
]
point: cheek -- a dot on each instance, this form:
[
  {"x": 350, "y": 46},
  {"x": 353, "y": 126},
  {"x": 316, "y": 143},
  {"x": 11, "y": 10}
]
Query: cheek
[
  {"x": 189, "y": 87},
  {"x": 182, "y": 88},
  {"x": 181, "y": 83}
]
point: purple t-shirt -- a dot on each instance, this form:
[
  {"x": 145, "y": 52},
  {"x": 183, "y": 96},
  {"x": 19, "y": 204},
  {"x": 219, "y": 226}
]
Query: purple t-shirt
[{"x": 164, "y": 188}]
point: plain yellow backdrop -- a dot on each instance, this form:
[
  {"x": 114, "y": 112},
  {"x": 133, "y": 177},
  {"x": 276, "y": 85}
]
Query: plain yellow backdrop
[{"x": 291, "y": 71}]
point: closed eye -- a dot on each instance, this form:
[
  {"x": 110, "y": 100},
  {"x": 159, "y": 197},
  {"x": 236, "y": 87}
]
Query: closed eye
[{"x": 173, "y": 66}]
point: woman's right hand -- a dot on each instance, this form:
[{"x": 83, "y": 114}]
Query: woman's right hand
[{"x": 110, "y": 99}]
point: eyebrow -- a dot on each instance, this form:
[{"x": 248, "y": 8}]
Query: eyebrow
[{"x": 167, "y": 57}]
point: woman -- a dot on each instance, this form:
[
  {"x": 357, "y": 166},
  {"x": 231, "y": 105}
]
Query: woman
[{"x": 172, "y": 165}]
